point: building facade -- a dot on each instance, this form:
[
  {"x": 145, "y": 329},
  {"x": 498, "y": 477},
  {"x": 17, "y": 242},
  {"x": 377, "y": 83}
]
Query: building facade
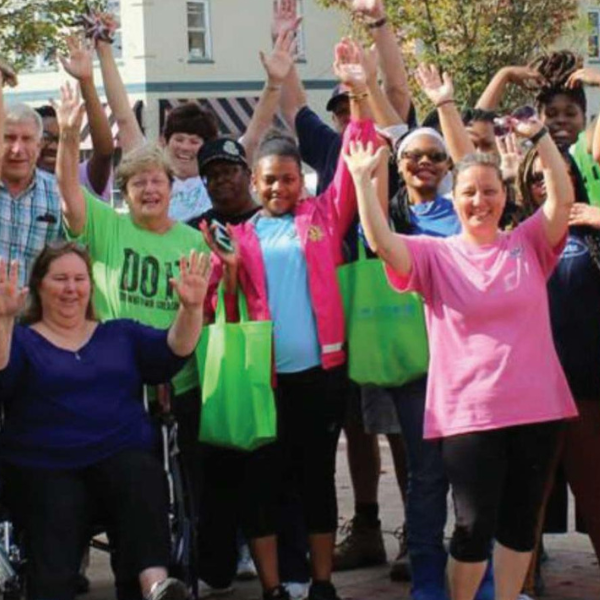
[{"x": 208, "y": 50}]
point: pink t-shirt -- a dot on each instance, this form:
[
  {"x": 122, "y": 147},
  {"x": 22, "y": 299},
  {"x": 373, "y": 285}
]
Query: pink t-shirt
[{"x": 493, "y": 362}]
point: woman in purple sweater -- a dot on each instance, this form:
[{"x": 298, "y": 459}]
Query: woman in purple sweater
[{"x": 76, "y": 444}]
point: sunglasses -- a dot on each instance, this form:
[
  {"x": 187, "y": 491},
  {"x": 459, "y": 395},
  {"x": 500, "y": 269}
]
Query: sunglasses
[
  {"x": 536, "y": 178},
  {"x": 435, "y": 156},
  {"x": 504, "y": 125}
]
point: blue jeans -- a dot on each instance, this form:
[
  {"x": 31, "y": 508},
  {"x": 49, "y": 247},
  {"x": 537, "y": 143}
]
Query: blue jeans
[{"x": 426, "y": 508}]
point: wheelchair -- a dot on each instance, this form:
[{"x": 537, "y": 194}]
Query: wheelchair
[{"x": 182, "y": 520}]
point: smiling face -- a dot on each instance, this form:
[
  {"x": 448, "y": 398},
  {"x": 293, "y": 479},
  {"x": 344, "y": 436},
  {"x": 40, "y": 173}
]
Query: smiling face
[
  {"x": 279, "y": 183},
  {"x": 65, "y": 289},
  {"x": 182, "y": 150},
  {"x": 21, "y": 150},
  {"x": 228, "y": 185},
  {"x": 423, "y": 164},
  {"x": 148, "y": 197},
  {"x": 479, "y": 199},
  {"x": 564, "y": 118}
]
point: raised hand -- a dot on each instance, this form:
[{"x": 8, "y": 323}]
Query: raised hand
[
  {"x": 79, "y": 63},
  {"x": 285, "y": 18},
  {"x": 510, "y": 155},
  {"x": 368, "y": 60},
  {"x": 70, "y": 110},
  {"x": 347, "y": 65},
  {"x": 586, "y": 76},
  {"x": 12, "y": 298},
  {"x": 194, "y": 275},
  {"x": 584, "y": 214},
  {"x": 8, "y": 75},
  {"x": 437, "y": 89},
  {"x": 373, "y": 9},
  {"x": 280, "y": 61},
  {"x": 362, "y": 160}
]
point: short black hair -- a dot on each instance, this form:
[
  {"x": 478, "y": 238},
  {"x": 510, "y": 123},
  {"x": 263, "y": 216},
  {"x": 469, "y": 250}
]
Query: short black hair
[
  {"x": 477, "y": 115},
  {"x": 193, "y": 119},
  {"x": 46, "y": 111}
]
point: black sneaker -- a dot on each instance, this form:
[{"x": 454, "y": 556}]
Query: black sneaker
[
  {"x": 278, "y": 593},
  {"x": 169, "y": 589},
  {"x": 322, "y": 590}
]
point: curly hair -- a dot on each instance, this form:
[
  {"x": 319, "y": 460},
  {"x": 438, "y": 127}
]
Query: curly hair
[{"x": 556, "y": 68}]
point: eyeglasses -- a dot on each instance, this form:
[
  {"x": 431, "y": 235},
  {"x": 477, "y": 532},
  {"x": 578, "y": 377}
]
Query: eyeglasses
[
  {"x": 435, "y": 156},
  {"x": 536, "y": 178}
]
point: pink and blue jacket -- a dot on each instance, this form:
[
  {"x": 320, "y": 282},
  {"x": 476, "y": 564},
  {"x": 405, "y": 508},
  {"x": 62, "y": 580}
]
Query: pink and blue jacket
[{"x": 321, "y": 222}]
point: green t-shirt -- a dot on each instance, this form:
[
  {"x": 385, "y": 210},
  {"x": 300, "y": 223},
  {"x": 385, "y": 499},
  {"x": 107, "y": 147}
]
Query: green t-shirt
[
  {"x": 588, "y": 167},
  {"x": 132, "y": 268}
]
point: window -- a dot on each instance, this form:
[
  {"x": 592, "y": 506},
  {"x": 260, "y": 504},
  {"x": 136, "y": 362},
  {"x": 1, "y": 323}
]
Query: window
[
  {"x": 198, "y": 30},
  {"x": 114, "y": 7},
  {"x": 594, "y": 34}
]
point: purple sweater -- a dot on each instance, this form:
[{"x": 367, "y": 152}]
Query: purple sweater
[{"x": 66, "y": 409}]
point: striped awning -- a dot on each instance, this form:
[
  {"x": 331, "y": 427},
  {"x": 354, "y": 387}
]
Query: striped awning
[
  {"x": 234, "y": 114},
  {"x": 86, "y": 138}
]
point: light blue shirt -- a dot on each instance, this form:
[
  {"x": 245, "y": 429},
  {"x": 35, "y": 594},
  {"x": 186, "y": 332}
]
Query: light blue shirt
[
  {"x": 294, "y": 324},
  {"x": 189, "y": 199},
  {"x": 435, "y": 218}
]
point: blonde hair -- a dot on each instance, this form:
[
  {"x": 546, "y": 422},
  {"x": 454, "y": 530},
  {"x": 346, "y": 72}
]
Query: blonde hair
[{"x": 143, "y": 158}]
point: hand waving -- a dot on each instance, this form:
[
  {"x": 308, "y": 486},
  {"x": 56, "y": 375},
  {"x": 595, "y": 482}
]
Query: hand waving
[
  {"x": 79, "y": 63},
  {"x": 347, "y": 65},
  {"x": 373, "y": 9},
  {"x": 587, "y": 76},
  {"x": 437, "y": 89},
  {"x": 285, "y": 18},
  {"x": 12, "y": 298},
  {"x": 510, "y": 155},
  {"x": 69, "y": 112},
  {"x": 362, "y": 160},
  {"x": 280, "y": 61},
  {"x": 194, "y": 275}
]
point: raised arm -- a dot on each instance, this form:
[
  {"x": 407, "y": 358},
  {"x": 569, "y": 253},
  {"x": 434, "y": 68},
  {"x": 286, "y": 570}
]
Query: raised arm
[
  {"x": 390, "y": 247},
  {"x": 560, "y": 195},
  {"x": 191, "y": 289},
  {"x": 79, "y": 64},
  {"x": 441, "y": 93},
  {"x": 69, "y": 114},
  {"x": 277, "y": 65},
  {"x": 524, "y": 77},
  {"x": 12, "y": 300},
  {"x": 391, "y": 61},
  {"x": 130, "y": 134}
]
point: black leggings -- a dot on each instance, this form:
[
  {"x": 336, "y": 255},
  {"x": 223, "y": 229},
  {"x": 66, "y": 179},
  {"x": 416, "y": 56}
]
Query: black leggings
[
  {"x": 498, "y": 479},
  {"x": 57, "y": 510}
]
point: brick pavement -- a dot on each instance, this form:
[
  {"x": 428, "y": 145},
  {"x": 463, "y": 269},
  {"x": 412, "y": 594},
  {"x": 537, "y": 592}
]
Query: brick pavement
[{"x": 571, "y": 573}]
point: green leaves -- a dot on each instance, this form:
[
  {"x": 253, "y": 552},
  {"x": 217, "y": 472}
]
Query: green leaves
[{"x": 472, "y": 39}]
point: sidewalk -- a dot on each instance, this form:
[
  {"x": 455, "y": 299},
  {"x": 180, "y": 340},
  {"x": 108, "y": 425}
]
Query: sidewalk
[{"x": 571, "y": 573}]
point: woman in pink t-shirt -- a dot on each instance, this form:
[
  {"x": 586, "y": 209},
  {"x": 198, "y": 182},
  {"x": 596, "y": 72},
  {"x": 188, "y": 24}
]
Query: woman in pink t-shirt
[{"x": 487, "y": 316}]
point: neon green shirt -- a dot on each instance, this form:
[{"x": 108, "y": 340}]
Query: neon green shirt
[
  {"x": 132, "y": 268},
  {"x": 588, "y": 167}
]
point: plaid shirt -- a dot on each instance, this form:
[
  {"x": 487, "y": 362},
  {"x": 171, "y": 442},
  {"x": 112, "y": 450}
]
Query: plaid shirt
[{"x": 29, "y": 221}]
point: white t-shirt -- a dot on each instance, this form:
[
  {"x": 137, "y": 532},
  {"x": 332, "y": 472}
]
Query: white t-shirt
[{"x": 189, "y": 199}]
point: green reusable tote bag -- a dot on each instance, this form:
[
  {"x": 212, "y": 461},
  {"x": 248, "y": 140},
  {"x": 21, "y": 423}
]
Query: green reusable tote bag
[
  {"x": 387, "y": 338},
  {"x": 235, "y": 363}
]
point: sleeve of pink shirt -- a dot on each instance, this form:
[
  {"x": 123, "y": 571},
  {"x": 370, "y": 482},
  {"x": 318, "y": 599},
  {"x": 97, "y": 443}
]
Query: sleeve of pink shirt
[
  {"x": 532, "y": 232},
  {"x": 340, "y": 196},
  {"x": 84, "y": 179},
  {"x": 422, "y": 249}
]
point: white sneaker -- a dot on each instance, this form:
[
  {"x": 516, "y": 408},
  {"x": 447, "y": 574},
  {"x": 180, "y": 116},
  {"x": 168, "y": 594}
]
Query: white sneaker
[
  {"x": 245, "y": 567},
  {"x": 296, "y": 589},
  {"x": 207, "y": 591}
]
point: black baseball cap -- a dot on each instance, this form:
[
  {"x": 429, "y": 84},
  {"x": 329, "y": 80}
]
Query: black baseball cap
[
  {"x": 339, "y": 91},
  {"x": 221, "y": 149}
]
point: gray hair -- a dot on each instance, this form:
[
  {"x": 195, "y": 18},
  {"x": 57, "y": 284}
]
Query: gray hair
[
  {"x": 477, "y": 159},
  {"x": 19, "y": 113}
]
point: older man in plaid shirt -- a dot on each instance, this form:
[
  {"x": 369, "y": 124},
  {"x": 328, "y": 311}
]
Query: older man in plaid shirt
[{"x": 30, "y": 214}]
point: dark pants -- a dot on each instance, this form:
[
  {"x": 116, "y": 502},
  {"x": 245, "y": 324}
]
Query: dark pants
[
  {"x": 498, "y": 479},
  {"x": 57, "y": 510}
]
